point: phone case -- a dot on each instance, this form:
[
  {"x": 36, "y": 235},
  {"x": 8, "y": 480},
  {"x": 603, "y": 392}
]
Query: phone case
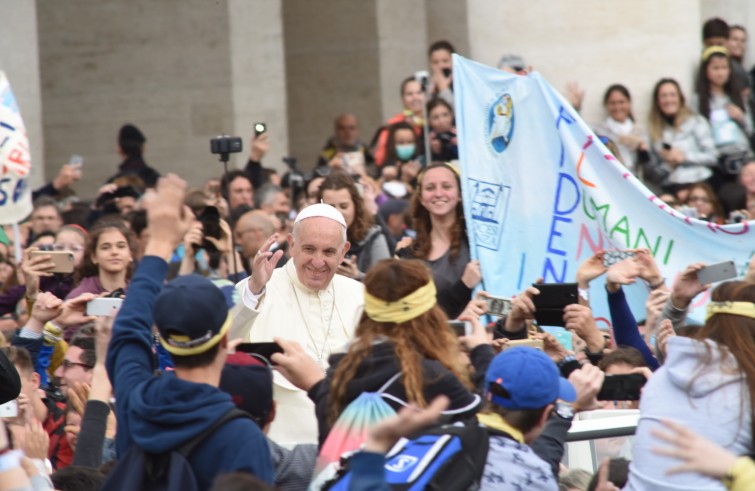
[
  {"x": 63, "y": 260},
  {"x": 717, "y": 272}
]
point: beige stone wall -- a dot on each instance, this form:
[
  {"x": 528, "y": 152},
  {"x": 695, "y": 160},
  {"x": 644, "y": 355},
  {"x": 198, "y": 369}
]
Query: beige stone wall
[
  {"x": 186, "y": 70},
  {"x": 19, "y": 59},
  {"x": 163, "y": 66},
  {"x": 593, "y": 42},
  {"x": 258, "y": 74}
]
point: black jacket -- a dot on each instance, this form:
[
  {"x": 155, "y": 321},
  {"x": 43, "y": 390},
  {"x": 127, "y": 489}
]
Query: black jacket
[{"x": 382, "y": 364}]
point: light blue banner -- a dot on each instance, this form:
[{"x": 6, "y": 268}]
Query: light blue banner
[{"x": 541, "y": 194}]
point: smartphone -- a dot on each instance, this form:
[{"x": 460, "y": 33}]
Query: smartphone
[
  {"x": 622, "y": 387},
  {"x": 76, "y": 160},
  {"x": 461, "y": 328},
  {"x": 550, "y": 304},
  {"x": 104, "y": 306},
  {"x": 564, "y": 337},
  {"x": 666, "y": 146},
  {"x": 498, "y": 306},
  {"x": 447, "y": 72},
  {"x": 612, "y": 257},
  {"x": 532, "y": 343},
  {"x": 63, "y": 260},
  {"x": 717, "y": 272},
  {"x": 9, "y": 409},
  {"x": 265, "y": 350},
  {"x": 737, "y": 217},
  {"x": 259, "y": 128},
  {"x": 422, "y": 77}
]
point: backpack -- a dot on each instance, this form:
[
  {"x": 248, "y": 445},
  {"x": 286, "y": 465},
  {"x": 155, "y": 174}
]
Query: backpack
[
  {"x": 170, "y": 471},
  {"x": 350, "y": 431},
  {"x": 450, "y": 458}
]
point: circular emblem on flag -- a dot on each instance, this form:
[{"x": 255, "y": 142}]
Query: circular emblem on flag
[{"x": 501, "y": 123}]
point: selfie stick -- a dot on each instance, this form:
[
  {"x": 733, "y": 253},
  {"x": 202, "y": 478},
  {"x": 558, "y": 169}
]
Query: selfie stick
[
  {"x": 423, "y": 78},
  {"x": 224, "y": 157}
]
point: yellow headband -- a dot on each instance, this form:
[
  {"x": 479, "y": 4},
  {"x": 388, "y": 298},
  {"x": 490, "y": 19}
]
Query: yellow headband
[
  {"x": 194, "y": 350},
  {"x": 707, "y": 52},
  {"x": 413, "y": 305},
  {"x": 745, "y": 309}
]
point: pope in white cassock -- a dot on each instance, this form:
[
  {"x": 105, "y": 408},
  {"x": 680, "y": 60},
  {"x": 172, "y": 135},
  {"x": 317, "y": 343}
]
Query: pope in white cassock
[{"x": 304, "y": 301}]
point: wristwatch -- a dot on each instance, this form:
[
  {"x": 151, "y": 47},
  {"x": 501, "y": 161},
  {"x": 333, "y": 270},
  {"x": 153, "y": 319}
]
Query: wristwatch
[{"x": 564, "y": 410}]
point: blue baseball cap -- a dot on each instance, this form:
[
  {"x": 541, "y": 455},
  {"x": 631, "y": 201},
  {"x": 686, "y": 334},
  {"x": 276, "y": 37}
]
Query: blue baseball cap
[{"x": 525, "y": 378}]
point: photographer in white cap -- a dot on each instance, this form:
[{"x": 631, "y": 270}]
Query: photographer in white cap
[{"x": 303, "y": 301}]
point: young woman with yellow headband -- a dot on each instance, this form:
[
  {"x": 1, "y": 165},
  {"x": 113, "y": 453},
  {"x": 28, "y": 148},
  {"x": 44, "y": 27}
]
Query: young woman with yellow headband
[
  {"x": 707, "y": 384},
  {"x": 441, "y": 241},
  {"x": 402, "y": 332}
]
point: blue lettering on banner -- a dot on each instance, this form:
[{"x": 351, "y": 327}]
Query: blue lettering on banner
[
  {"x": 489, "y": 205},
  {"x": 567, "y": 200}
]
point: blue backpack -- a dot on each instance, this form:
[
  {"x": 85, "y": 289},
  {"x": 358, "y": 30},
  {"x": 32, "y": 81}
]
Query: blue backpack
[
  {"x": 449, "y": 458},
  {"x": 170, "y": 471}
]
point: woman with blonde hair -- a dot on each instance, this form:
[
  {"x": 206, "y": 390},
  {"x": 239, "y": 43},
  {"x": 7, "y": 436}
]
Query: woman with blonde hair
[{"x": 681, "y": 142}]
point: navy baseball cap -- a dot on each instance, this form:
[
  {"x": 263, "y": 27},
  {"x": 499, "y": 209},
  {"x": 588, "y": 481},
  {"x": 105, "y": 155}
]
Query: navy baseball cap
[
  {"x": 191, "y": 314},
  {"x": 250, "y": 385},
  {"x": 525, "y": 378}
]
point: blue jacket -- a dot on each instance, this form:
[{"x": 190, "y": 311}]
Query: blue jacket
[{"x": 160, "y": 413}]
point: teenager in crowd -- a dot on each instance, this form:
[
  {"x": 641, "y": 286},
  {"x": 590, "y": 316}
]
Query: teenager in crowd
[
  {"x": 441, "y": 240},
  {"x": 620, "y": 126}
]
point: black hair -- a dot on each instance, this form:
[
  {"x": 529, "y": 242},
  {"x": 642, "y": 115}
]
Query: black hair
[
  {"x": 523, "y": 420},
  {"x": 732, "y": 88},
  {"x": 618, "y": 474},
  {"x": 196, "y": 361},
  {"x": 239, "y": 481},
  {"x": 715, "y": 27},
  {"x": 131, "y": 140},
  {"x": 441, "y": 45},
  {"x": 621, "y": 89},
  {"x": 84, "y": 339},
  {"x": 138, "y": 221},
  {"x": 78, "y": 478},
  {"x": 231, "y": 176}
]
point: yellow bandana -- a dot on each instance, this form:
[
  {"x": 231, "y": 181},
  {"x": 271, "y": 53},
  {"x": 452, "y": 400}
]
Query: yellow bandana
[
  {"x": 189, "y": 349},
  {"x": 707, "y": 52},
  {"x": 745, "y": 309},
  {"x": 413, "y": 305},
  {"x": 495, "y": 421}
]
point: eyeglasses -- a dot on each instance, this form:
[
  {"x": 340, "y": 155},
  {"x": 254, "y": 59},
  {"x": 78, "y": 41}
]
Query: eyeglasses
[
  {"x": 68, "y": 364},
  {"x": 67, "y": 247}
]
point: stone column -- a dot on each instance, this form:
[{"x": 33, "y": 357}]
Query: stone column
[{"x": 19, "y": 59}]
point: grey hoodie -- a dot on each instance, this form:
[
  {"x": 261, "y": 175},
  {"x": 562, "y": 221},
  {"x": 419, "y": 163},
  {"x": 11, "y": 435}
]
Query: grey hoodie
[{"x": 712, "y": 400}]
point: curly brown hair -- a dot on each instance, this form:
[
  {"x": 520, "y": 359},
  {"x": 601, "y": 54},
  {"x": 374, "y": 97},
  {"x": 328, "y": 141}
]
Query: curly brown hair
[
  {"x": 427, "y": 336},
  {"x": 423, "y": 224},
  {"x": 337, "y": 180}
]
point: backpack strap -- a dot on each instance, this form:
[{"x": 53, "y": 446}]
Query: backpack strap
[
  {"x": 187, "y": 448},
  {"x": 388, "y": 383}
]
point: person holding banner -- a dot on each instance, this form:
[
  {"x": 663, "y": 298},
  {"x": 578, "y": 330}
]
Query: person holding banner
[
  {"x": 681, "y": 141},
  {"x": 441, "y": 239}
]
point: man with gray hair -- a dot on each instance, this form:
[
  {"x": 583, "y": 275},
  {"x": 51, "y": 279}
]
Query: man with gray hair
[{"x": 304, "y": 301}]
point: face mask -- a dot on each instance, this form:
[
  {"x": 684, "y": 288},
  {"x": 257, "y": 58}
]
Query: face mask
[{"x": 405, "y": 152}]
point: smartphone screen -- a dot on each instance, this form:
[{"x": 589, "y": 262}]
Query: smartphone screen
[
  {"x": 550, "y": 303},
  {"x": 265, "y": 350},
  {"x": 461, "y": 328}
]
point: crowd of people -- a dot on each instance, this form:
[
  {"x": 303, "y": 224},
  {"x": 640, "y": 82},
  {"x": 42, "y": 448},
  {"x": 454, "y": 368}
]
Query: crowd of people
[{"x": 258, "y": 327}]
